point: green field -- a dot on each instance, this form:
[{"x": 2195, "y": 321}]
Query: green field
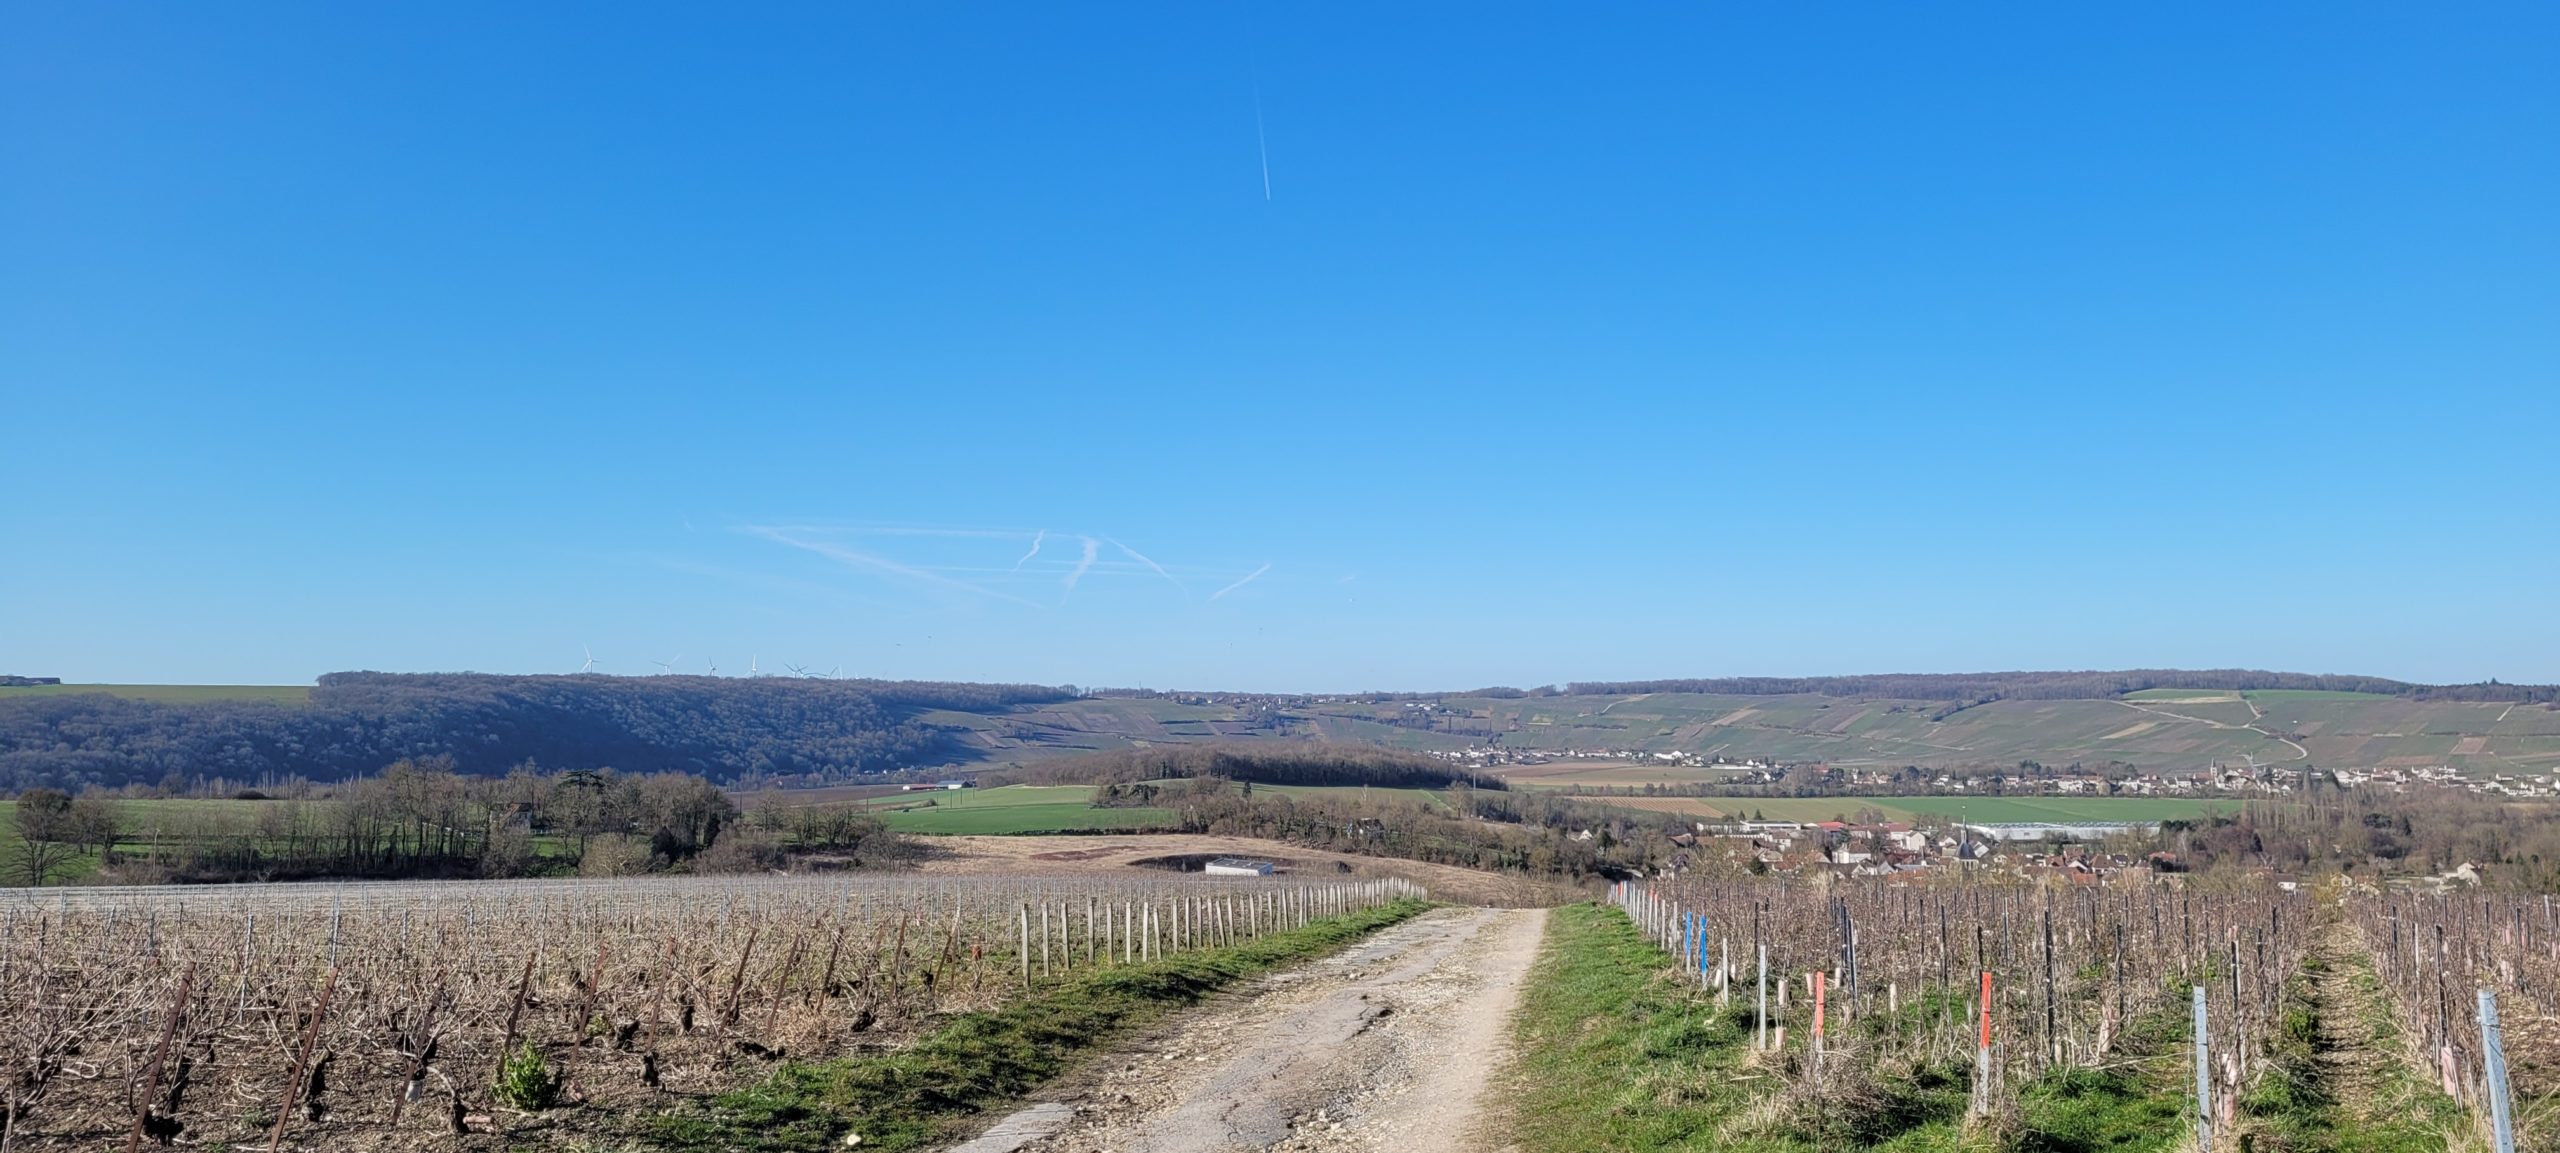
[
  {"x": 145, "y": 820},
  {"x": 1019, "y": 809},
  {"x": 171, "y": 694},
  {"x": 12, "y": 868}
]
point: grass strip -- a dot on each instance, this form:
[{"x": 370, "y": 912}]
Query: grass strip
[
  {"x": 2333, "y": 1081},
  {"x": 1619, "y": 1053},
  {"x": 1615, "y": 1052},
  {"x": 930, "y": 1092}
]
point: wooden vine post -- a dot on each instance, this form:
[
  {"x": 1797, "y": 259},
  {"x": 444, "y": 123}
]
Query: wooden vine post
[
  {"x": 302, "y": 1063},
  {"x": 159, "y": 1055}
]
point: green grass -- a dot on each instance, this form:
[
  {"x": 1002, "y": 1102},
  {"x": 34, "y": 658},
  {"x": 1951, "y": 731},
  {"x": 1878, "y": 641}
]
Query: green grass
[
  {"x": 13, "y": 861},
  {"x": 1613, "y": 1052},
  {"x": 2295, "y": 1105},
  {"x": 141, "y": 817},
  {"x": 1617, "y": 1054},
  {"x": 940, "y": 1089},
  {"x": 149, "y": 822},
  {"x": 171, "y": 694},
  {"x": 1015, "y": 809}
]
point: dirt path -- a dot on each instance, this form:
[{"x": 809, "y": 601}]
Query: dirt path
[
  {"x": 1387, "y": 1046},
  {"x": 2299, "y": 753}
]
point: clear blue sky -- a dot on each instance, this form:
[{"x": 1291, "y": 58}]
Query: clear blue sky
[{"x": 1569, "y": 342}]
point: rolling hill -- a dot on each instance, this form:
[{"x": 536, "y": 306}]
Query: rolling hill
[
  {"x": 2154, "y": 729},
  {"x": 810, "y": 731}
]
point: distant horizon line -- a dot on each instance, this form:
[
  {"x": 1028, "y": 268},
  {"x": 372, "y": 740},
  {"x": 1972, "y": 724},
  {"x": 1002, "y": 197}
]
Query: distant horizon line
[{"x": 1560, "y": 687}]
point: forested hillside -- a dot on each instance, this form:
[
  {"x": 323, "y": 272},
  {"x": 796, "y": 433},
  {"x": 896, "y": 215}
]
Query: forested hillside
[
  {"x": 1306, "y": 763},
  {"x": 803, "y": 731},
  {"x": 723, "y": 728}
]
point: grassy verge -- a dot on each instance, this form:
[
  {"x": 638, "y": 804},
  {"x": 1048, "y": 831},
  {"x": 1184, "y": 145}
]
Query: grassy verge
[
  {"x": 2334, "y": 1082},
  {"x": 1614, "y": 1052},
  {"x": 932, "y": 1091},
  {"x": 1618, "y": 1054}
]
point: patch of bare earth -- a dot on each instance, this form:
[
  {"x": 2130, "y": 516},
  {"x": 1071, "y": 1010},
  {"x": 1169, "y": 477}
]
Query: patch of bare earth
[{"x": 1387, "y": 1046}]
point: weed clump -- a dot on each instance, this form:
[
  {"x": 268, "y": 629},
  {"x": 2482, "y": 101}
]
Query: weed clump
[{"x": 527, "y": 1082}]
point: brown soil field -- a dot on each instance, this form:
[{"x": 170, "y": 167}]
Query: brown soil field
[{"x": 1006, "y": 856}]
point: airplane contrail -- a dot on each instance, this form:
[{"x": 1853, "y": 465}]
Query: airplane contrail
[
  {"x": 1036, "y": 538},
  {"x": 1092, "y": 551},
  {"x": 855, "y": 559},
  {"x": 1141, "y": 558},
  {"x": 1260, "y": 140},
  {"x": 1249, "y": 578}
]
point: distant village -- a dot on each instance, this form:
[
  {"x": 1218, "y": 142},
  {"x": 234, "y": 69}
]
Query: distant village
[
  {"x": 2029, "y": 780},
  {"x": 2071, "y": 852}
]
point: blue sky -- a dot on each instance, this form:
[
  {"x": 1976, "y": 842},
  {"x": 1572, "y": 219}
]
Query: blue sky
[{"x": 1567, "y": 343}]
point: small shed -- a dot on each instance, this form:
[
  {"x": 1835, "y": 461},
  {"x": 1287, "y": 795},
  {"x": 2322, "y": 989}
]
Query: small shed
[{"x": 1238, "y": 867}]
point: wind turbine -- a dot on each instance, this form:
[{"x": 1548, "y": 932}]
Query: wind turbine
[
  {"x": 798, "y": 670},
  {"x": 591, "y": 659},
  {"x": 831, "y": 673},
  {"x": 715, "y": 669},
  {"x": 668, "y": 665},
  {"x": 752, "y": 671}
]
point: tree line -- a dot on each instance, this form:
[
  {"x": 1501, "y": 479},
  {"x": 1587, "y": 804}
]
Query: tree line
[
  {"x": 425, "y": 819},
  {"x": 1514, "y": 832},
  {"x": 1308, "y": 763},
  {"x": 727, "y": 729},
  {"x": 2373, "y": 834}
]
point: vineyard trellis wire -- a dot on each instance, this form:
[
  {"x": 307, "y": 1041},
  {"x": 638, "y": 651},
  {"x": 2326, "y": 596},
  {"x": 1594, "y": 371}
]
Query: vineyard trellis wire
[
  {"x": 2070, "y": 973},
  {"x": 1902, "y": 971},
  {"x": 299, "y": 1015},
  {"x": 2435, "y": 951}
]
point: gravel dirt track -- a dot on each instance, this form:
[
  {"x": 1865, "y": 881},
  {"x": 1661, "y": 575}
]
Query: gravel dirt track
[{"x": 1386, "y": 1046}]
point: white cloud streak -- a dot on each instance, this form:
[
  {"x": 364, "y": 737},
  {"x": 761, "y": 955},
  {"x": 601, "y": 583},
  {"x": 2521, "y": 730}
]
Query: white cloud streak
[
  {"x": 1092, "y": 551},
  {"x": 1141, "y": 558},
  {"x": 854, "y": 559},
  {"x": 1036, "y": 538},
  {"x": 1249, "y": 578}
]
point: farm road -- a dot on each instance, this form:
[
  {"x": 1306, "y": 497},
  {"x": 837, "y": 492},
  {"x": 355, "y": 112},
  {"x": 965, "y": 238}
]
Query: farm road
[{"x": 1386, "y": 1046}]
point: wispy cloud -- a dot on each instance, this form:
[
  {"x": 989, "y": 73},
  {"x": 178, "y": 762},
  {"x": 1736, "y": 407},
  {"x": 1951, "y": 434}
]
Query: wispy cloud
[
  {"x": 856, "y": 559},
  {"x": 1249, "y": 578},
  {"x": 1141, "y": 558},
  {"x": 1092, "y": 551},
  {"x": 967, "y": 559},
  {"x": 856, "y": 528}
]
